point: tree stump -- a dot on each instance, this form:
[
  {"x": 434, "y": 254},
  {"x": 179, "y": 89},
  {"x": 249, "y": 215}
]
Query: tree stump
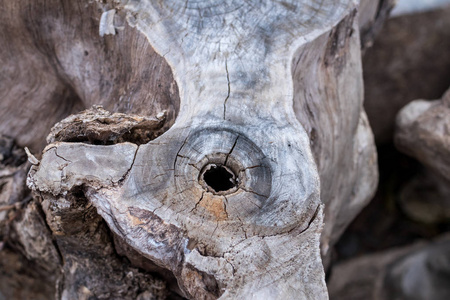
[{"x": 248, "y": 157}]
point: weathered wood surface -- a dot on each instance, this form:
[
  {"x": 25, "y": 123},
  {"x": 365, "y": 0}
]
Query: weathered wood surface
[
  {"x": 98, "y": 126},
  {"x": 422, "y": 131},
  {"x": 23, "y": 233},
  {"x": 76, "y": 259},
  {"x": 328, "y": 94},
  {"x": 269, "y": 94},
  {"x": 54, "y": 63}
]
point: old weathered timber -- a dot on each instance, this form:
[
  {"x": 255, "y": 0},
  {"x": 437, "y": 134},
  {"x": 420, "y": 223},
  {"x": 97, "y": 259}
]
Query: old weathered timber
[
  {"x": 270, "y": 145},
  {"x": 415, "y": 271},
  {"x": 422, "y": 131},
  {"x": 54, "y": 63}
]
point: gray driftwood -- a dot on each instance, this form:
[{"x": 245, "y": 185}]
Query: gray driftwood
[
  {"x": 241, "y": 195},
  {"x": 422, "y": 131},
  {"x": 414, "y": 272}
]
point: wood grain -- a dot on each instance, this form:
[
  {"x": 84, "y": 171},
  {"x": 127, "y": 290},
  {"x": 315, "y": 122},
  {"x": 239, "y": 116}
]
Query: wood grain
[{"x": 271, "y": 92}]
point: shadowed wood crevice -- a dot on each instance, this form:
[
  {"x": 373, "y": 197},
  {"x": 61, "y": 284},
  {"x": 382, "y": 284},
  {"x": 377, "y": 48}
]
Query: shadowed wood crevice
[
  {"x": 100, "y": 127},
  {"x": 91, "y": 265},
  {"x": 28, "y": 258},
  {"x": 21, "y": 279}
]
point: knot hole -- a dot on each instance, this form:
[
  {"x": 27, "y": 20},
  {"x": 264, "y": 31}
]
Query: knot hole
[{"x": 219, "y": 179}]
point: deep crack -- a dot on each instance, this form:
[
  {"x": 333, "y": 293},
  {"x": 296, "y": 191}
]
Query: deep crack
[
  {"x": 229, "y": 90},
  {"x": 198, "y": 202},
  {"x": 131, "y": 166},
  {"x": 231, "y": 150}
]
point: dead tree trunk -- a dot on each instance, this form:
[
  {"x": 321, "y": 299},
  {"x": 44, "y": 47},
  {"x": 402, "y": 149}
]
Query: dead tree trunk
[{"x": 244, "y": 153}]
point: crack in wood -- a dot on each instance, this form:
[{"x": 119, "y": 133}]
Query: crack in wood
[
  {"x": 314, "y": 216},
  {"x": 252, "y": 167},
  {"x": 225, "y": 206},
  {"x": 214, "y": 231},
  {"x": 131, "y": 166},
  {"x": 198, "y": 202},
  {"x": 229, "y": 90},
  {"x": 231, "y": 150},
  {"x": 56, "y": 153},
  {"x": 253, "y": 192},
  {"x": 178, "y": 153},
  {"x": 194, "y": 166},
  {"x": 242, "y": 227}
]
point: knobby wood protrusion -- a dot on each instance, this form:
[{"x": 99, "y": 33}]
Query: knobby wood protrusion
[
  {"x": 422, "y": 131},
  {"x": 205, "y": 239},
  {"x": 270, "y": 97},
  {"x": 98, "y": 126},
  {"x": 92, "y": 262}
]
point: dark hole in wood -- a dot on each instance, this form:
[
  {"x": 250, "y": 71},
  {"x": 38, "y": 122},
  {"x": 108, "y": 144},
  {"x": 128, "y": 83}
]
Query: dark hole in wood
[{"x": 219, "y": 178}]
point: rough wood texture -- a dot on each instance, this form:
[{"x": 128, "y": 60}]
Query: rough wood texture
[
  {"x": 98, "y": 126},
  {"x": 67, "y": 253},
  {"x": 236, "y": 115},
  {"x": 91, "y": 265},
  {"x": 422, "y": 131},
  {"x": 28, "y": 259},
  {"x": 21, "y": 280},
  {"x": 328, "y": 95},
  {"x": 228, "y": 202},
  {"x": 54, "y": 63},
  {"x": 166, "y": 244}
]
